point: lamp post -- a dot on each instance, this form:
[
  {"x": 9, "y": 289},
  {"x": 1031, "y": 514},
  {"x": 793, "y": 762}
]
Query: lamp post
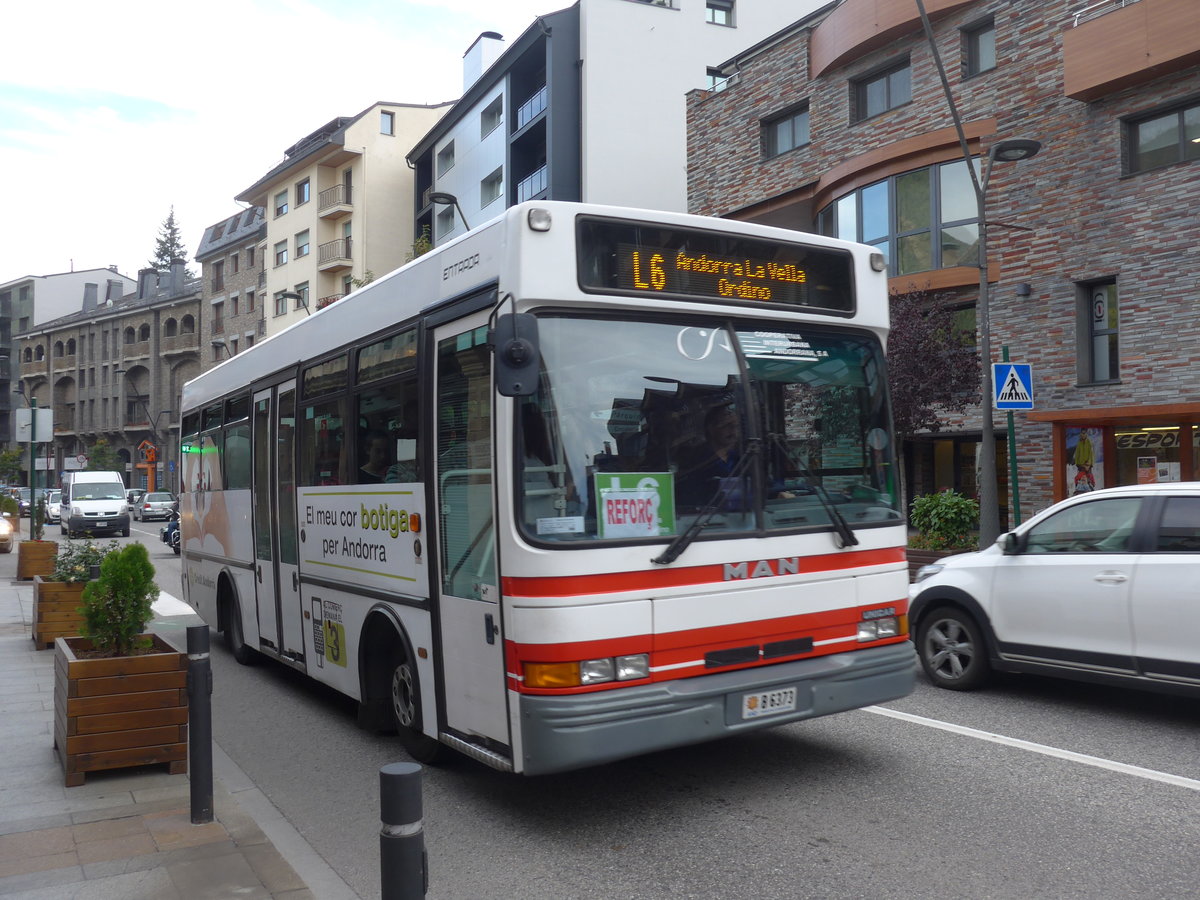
[
  {"x": 31, "y": 401},
  {"x": 292, "y": 295},
  {"x": 1011, "y": 150},
  {"x": 443, "y": 199},
  {"x": 218, "y": 344}
]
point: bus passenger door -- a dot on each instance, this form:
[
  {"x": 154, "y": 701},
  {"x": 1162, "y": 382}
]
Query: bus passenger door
[
  {"x": 472, "y": 659},
  {"x": 276, "y": 573}
]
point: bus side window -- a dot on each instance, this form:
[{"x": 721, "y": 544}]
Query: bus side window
[
  {"x": 387, "y": 434},
  {"x": 322, "y": 443}
]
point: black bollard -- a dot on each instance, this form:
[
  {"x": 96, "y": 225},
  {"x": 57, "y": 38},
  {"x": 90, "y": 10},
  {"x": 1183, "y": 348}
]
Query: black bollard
[
  {"x": 199, "y": 688},
  {"x": 403, "y": 866}
]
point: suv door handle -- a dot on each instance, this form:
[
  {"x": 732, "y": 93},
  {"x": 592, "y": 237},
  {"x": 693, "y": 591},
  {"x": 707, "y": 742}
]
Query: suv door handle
[{"x": 1111, "y": 577}]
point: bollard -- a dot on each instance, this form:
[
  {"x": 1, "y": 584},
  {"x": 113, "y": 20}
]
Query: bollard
[
  {"x": 199, "y": 688},
  {"x": 403, "y": 866}
]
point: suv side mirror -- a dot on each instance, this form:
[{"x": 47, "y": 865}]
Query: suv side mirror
[{"x": 1010, "y": 543}]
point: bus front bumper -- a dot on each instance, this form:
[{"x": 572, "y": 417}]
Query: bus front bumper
[{"x": 570, "y": 732}]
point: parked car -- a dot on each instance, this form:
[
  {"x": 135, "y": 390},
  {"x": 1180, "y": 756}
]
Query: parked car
[
  {"x": 154, "y": 505},
  {"x": 133, "y": 495},
  {"x": 1100, "y": 587},
  {"x": 53, "y": 506},
  {"x": 6, "y": 534}
]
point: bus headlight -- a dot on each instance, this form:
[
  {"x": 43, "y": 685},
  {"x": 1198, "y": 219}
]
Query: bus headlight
[
  {"x": 595, "y": 671},
  {"x": 633, "y": 667},
  {"x": 878, "y": 629},
  {"x": 589, "y": 671}
]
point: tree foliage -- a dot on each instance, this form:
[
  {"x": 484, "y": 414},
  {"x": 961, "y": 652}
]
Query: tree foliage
[
  {"x": 169, "y": 246},
  {"x": 933, "y": 369},
  {"x": 103, "y": 458},
  {"x": 10, "y": 465},
  {"x": 116, "y": 607}
]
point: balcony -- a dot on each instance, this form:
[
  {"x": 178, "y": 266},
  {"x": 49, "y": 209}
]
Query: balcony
[
  {"x": 532, "y": 184},
  {"x": 334, "y": 256},
  {"x": 325, "y": 301},
  {"x": 136, "y": 350},
  {"x": 65, "y": 363},
  {"x": 532, "y": 108},
  {"x": 180, "y": 343},
  {"x": 335, "y": 202},
  {"x": 1118, "y": 45},
  {"x": 35, "y": 367},
  {"x": 64, "y": 420}
]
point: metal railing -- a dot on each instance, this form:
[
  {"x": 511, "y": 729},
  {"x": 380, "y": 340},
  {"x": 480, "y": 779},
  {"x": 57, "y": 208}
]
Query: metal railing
[
  {"x": 531, "y": 107},
  {"x": 532, "y": 185},
  {"x": 1103, "y": 8}
]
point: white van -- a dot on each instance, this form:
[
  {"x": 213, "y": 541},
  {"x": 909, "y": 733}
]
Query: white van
[{"x": 94, "y": 503}]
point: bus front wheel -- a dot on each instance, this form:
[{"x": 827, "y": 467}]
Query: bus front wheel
[
  {"x": 235, "y": 641},
  {"x": 406, "y": 711}
]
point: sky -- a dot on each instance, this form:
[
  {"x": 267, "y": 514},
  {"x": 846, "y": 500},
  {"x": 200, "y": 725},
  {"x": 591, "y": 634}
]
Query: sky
[{"x": 113, "y": 113}]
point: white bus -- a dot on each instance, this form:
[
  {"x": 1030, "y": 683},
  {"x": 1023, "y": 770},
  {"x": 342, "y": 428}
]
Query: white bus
[{"x": 586, "y": 482}]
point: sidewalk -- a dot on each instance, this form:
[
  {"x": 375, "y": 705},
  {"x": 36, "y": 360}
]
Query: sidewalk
[{"x": 126, "y": 834}]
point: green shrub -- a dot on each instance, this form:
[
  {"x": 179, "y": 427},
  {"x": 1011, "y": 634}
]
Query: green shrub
[
  {"x": 945, "y": 521},
  {"x": 76, "y": 558},
  {"x": 116, "y": 606}
]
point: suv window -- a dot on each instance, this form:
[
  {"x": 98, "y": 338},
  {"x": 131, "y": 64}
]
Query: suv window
[
  {"x": 1180, "y": 529},
  {"x": 1102, "y": 526}
]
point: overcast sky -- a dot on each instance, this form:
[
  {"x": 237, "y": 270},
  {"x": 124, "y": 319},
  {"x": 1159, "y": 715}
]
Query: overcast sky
[{"x": 112, "y": 113}]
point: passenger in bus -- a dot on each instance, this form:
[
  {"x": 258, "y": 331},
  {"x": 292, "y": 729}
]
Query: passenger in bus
[{"x": 375, "y": 469}]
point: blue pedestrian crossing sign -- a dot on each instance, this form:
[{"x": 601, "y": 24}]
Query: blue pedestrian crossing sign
[{"x": 1012, "y": 385}]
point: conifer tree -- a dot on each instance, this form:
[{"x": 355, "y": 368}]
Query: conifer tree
[{"x": 169, "y": 246}]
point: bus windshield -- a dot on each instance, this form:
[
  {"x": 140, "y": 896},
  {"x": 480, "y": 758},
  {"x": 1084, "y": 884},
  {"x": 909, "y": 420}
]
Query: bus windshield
[{"x": 640, "y": 427}]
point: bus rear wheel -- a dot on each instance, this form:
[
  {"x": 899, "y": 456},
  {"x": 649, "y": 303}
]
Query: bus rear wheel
[{"x": 406, "y": 712}]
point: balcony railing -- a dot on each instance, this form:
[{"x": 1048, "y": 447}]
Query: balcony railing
[
  {"x": 529, "y": 110},
  {"x": 531, "y": 185},
  {"x": 334, "y": 254},
  {"x": 180, "y": 343},
  {"x": 335, "y": 201},
  {"x": 136, "y": 350},
  {"x": 1100, "y": 9},
  {"x": 325, "y": 301}
]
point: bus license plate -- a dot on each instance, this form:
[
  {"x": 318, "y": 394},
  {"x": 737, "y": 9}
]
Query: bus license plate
[{"x": 768, "y": 703}]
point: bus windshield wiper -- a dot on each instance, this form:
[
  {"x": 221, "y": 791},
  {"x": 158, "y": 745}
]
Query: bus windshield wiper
[
  {"x": 685, "y": 538},
  {"x": 845, "y": 534}
]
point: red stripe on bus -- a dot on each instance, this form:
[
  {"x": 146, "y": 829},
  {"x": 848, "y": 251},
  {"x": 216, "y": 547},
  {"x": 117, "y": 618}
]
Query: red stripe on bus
[{"x": 652, "y": 579}]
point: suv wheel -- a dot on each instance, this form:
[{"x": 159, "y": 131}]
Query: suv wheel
[{"x": 951, "y": 649}]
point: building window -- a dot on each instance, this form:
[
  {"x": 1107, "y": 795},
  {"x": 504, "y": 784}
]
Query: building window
[
  {"x": 1098, "y": 313},
  {"x": 490, "y": 187},
  {"x": 281, "y": 204},
  {"x": 234, "y": 263},
  {"x": 250, "y": 302},
  {"x": 218, "y": 318},
  {"x": 280, "y": 303},
  {"x": 882, "y": 90},
  {"x": 302, "y": 244},
  {"x": 249, "y": 341},
  {"x": 303, "y": 192},
  {"x": 920, "y": 220},
  {"x": 218, "y": 275},
  {"x": 233, "y": 305},
  {"x": 979, "y": 48},
  {"x": 445, "y": 221},
  {"x": 445, "y": 159},
  {"x": 489, "y": 119},
  {"x": 718, "y": 12},
  {"x": 302, "y": 298},
  {"x": 233, "y": 346},
  {"x": 250, "y": 257},
  {"x": 387, "y": 122},
  {"x": 1164, "y": 139},
  {"x": 281, "y": 254},
  {"x": 785, "y": 132}
]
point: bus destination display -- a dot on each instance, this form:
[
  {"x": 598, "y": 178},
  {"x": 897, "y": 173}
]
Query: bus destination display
[{"x": 625, "y": 257}]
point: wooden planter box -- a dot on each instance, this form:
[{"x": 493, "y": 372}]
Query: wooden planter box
[
  {"x": 56, "y": 610},
  {"x": 119, "y": 712},
  {"x": 36, "y": 558}
]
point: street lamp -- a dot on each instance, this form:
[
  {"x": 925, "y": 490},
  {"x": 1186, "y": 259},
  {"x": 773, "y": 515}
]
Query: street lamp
[
  {"x": 218, "y": 344},
  {"x": 1011, "y": 150},
  {"x": 444, "y": 199},
  {"x": 292, "y": 295}
]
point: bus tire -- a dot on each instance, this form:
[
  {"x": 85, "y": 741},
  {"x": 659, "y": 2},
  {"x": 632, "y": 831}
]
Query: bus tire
[
  {"x": 405, "y": 704},
  {"x": 235, "y": 641}
]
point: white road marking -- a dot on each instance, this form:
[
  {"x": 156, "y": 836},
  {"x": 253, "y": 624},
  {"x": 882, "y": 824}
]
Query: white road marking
[{"x": 1046, "y": 750}]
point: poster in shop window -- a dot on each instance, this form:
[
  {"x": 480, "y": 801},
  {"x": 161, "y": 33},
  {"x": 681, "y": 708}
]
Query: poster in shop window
[{"x": 1085, "y": 460}]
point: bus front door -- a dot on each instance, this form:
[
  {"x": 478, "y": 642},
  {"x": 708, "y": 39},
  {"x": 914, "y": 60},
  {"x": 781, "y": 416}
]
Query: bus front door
[
  {"x": 276, "y": 572},
  {"x": 472, "y": 658}
]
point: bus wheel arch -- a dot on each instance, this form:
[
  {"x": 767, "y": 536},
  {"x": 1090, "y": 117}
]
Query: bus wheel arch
[
  {"x": 229, "y": 621},
  {"x": 390, "y": 686}
]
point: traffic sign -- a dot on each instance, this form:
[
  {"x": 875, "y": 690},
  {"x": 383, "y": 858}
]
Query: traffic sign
[{"x": 1012, "y": 385}]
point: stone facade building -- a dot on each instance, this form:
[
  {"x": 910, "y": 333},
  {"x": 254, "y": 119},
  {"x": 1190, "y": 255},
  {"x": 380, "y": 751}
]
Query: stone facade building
[
  {"x": 114, "y": 371},
  {"x": 234, "y": 285},
  {"x": 840, "y": 125}
]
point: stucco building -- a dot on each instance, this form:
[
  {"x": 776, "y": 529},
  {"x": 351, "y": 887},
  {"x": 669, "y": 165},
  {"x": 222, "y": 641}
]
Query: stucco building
[
  {"x": 839, "y": 124},
  {"x": 337, "y": 208}
]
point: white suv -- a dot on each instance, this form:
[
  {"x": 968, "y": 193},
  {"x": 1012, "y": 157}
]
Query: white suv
[{"x": 1101, "y": 587}]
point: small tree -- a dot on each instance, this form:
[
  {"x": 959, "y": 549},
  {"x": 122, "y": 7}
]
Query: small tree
[
  {"x": 421, "y": 245},
  {"x": 10, "y": 465},
  {"x": 116, "y": 606},
  {"x": 103, "y": 458},
  {"x": 169, "y": 246}
]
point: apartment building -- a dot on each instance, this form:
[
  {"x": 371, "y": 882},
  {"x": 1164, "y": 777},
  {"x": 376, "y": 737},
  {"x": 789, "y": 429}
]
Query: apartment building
[
  {"x": 336, "y": 208},
  {"x": 233, "y": 280},
  {"x": 588, "y": 103},
  {"x": 115, "y": 369},
  {"x": 840, "y": 125}
]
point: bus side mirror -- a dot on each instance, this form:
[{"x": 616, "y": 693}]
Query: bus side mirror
[{"x": 514, "y": 342}]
